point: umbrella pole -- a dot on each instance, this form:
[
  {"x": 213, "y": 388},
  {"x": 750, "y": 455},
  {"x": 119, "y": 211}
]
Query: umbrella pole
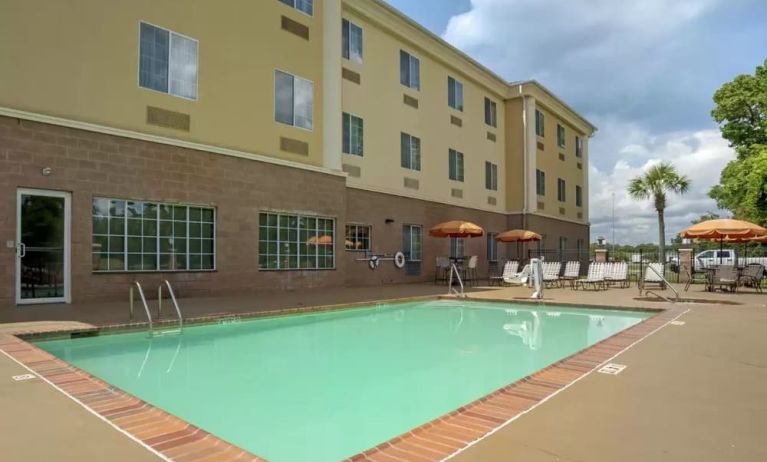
[{"x": 720, "y": 251}]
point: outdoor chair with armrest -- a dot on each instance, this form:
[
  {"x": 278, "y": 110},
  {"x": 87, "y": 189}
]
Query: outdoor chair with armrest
[
  {"x": 572, "y": 273},
  {"x": 726, "y": 276},
  {"x": 509, "y": 270},
  {"x": 752, "y": 276},
  {"x": 595, "y": 277}
]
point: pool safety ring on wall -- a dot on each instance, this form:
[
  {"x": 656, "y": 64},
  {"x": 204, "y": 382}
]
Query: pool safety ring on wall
[
  {"x": 399, "y": 259},
  {"x": 375, "y": 260}
]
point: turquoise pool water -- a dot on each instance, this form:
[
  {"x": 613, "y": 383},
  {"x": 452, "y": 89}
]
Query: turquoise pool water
[{"x": 322, "y": 387}]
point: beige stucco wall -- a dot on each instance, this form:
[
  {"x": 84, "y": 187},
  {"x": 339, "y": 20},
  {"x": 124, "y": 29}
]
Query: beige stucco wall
[
  {"x": 79, "y": 60},
  {"x": 379, "y": 101}
]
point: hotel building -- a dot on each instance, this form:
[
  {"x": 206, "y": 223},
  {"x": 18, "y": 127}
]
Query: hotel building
[{"x": 273, "y": 144}]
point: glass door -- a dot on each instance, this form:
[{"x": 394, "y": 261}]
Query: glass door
[{"x": 42, "y": 246}]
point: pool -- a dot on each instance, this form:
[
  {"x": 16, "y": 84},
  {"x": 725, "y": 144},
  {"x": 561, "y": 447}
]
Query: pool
[{"x": 325, "y": 386}]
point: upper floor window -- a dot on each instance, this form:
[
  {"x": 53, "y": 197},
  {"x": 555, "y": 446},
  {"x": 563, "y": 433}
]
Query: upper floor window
[
  {"x": 561, "y": 190},
  {"x": 409, "y": 70},
  {"x": 293, "y": 100},
  {"x": 167, "y": 62},
  {"x": 491, "y": 115},
  {"x": 491, "y": 176},
  {"x": 456, "y": 165},
  {"x": 454, "y": 94},
  {"x": 412, "y": 238},
  {"x": 540, "y": 182},
  {"x": 560, "y": 136},
  {"x": 358, "y": 237},
  {"x": 411, "y": 152},
  {"x": 578, "y": 146},
  {"x": 539, "y": 128},
  {"x": 304, "y": 6},
  {"x": 578, "y": 196},
  {"x": 353, "y": 134},
  {"x": 352, "y": 41}
]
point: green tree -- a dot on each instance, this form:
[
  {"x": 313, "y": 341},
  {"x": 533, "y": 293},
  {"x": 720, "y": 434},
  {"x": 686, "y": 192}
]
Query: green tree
[
  {"x": 741, "y": 110},
  {"x": 742, "y": 188},
  {"x": 655, "y": 184}
]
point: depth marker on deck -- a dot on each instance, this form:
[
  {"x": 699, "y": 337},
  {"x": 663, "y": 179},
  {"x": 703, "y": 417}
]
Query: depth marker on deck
[{"x": 23, "y": 377}]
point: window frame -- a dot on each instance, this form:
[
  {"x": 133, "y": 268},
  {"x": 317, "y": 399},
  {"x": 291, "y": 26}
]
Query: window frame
[
  {"x": 293, "y": 124},
  {"x": 456, "y": 166},
  {"x": 411, "y": 60},
  {"x": 492, "y": 247},
  {"x": 540, "y": 182},
  {"x": 344, "y": 134},
  {"x": 578, "y": 195},
  {"x": 491, "y": 176},
  {"x": 293, "y": 5},
  {"x": 561, "y": 141},
  {"x": 411, "y": 157},
  {"x": 540, "y": 124},
  {"x": 170, "y": 48},
  {"x": 492, "y": 107},
  {"x": 298, "y": 230},
  {"x": 561, "y": 190},
  {"x": 409, "y": 252},
  {"x": 157, "y": 236},
  {"x": 456, "y": 94},
  {"x": 346, "y": 41},
  {"x": 578, "y": 146},
  {"x": 357, "y": 226}
]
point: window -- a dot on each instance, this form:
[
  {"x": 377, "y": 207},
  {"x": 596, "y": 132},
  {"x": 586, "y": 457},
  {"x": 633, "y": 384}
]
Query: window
[
  {"x": 167, "y": 62},
  {"x": 562, "y": 244},
  {"x": 491, "y": 115},
  {"x": 293, "y": 100},
  {"x": 456, "y": 165},
  {"x": 578, "y": 146},
  {"x": 304, "y": 6},
  {"x": 353, "y": 134},
  {"x": 492, "y": 247},
  {"x": 539, "y": 128},
  {"x": 456, "y": 247},
  {"x": 561, "y": 190},
  {"x": 409, "y": 70},
  {"x": 149, "y": 236},
  {"x": 540, "y": 182},
  {"x": 560, "y": 136},
  {"x": 411, "y": 242},
  {"x": 454, "y": 94},
  {"x": 411, "y": 152},
  {"x": 293, "y": 242},
  {"x": 491, "y": 176},
  {"x": 358, "y": 237},
  {"x": 578, "y": 196},
  {"x": 352, "y": 41},
  {"x": 579, "y": 247}
]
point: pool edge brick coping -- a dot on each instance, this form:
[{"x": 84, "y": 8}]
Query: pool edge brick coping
[{"x": 436, "y": 440}]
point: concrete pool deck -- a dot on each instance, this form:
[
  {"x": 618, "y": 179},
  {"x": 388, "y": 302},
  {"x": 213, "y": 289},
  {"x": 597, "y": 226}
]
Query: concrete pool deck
[{"x": 691, "y": 392}]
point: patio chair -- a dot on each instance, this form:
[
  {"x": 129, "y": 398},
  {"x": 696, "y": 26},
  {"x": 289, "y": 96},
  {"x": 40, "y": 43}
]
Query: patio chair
[
  {"x": 509, "y": 270},
  {"x": 551, "y": 270},
  {"x": 752, "y": 276},
  {"x": 594, "y": 278},
  {"x": 518, "y": 279},
  {"x": 725, "y": 276},
  {"x": 572, "y": 272},
  {"x": 652, "y": 276},
  {"x": 442, "y": 269},
  {"x": 618, "y": 273}
]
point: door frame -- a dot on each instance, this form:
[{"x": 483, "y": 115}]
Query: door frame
[{"x": 67, "y": 298}]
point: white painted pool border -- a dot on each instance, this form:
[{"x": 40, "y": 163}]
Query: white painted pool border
[
  {"x": 85, "y": 406},
  {"x": 496, "y": 429}
]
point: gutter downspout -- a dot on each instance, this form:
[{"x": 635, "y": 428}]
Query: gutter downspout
[{"x": 525, "y": 152}]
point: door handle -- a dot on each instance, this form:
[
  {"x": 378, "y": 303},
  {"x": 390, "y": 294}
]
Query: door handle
[{"x": 22, "y": 250}]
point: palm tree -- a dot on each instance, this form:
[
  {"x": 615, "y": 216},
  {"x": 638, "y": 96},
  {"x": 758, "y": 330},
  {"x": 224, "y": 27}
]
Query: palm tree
[{"x": 654, "y": 184}]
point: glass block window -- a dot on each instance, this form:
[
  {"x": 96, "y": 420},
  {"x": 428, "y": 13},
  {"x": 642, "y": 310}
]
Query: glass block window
[
  {"x": 409, "y": 70},
  {"x": 455, "y": 170},
  {"x": 351, "y": 41},
  {"x": 150, "y": 236},
  {"x": 412, "y": 239},
  {"x": 454, "y": 94},
  {"x": 358, "y": 237},
  {"x": 353, "y": 134},
  {"x": 295, "y": 242},
  {"x": 410, "y": 152},
  {"x": 304, "y": 6},
  {"x": 167, "y": 61},
  {"x": 293, "y": 100}
]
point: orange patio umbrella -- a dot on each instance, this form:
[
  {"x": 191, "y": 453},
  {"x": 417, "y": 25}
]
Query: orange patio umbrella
[
  {"x": 724, "y": 228},
  {"x": 320, "y": 240},
  {"x": 518, "y": 235},
  {"x": 456, "y": 228}
]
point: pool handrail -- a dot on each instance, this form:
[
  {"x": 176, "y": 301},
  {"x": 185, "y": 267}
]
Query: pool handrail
[
  {"x": 143, "y": 301},
  {"x": 173, "y": 299},
  {"x": 450, "y": 290},
  {"x": 650, "y": 267}
]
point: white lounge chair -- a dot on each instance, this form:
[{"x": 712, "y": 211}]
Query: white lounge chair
[
  {"x": 594, "y": 278},
  {"x": 617, "y": 273},
  {"x": 652, "y": 276},
  {"x": 509, "y": 270},
  {"x": 551, "y": 270},
  {"x": 572, "y": 272}
]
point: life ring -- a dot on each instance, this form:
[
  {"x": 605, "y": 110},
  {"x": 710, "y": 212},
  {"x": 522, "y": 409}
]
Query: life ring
[
  {"x": 399, "y": 260},
  {"x": 373, "y": 262}
]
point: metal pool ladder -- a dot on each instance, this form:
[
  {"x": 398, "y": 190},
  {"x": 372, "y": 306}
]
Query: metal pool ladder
[{"x": 137, "y": 285}]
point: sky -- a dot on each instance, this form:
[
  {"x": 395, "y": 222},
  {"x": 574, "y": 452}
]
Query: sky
[{"x": 644, "y": 72}]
